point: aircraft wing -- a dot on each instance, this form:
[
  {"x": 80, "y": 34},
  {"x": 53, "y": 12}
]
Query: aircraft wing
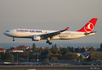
[{"x": 44, "y": 36}]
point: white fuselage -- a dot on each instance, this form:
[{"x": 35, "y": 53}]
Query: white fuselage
[
  {"x": 37, "y": 35},
  {"x": 29, "y": 33}
]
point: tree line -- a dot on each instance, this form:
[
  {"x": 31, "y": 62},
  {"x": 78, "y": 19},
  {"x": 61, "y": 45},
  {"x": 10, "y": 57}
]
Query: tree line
[{"x": 53, "y": 53}]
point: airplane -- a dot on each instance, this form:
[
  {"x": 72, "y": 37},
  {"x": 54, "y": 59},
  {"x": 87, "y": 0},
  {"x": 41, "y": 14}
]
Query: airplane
[{"x": 37, "y": 35}]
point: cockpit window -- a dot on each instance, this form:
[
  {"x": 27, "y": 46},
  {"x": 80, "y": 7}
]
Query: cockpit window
[{"x": 7, "y": 31}]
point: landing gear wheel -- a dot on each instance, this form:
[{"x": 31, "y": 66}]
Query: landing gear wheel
[
  {"x": 47, "y": 41},
  {"x": 50, "y": 43}
]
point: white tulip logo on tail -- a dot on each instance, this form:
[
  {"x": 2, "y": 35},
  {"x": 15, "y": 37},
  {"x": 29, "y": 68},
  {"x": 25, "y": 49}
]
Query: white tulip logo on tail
[{"x": 89, "y": 27}]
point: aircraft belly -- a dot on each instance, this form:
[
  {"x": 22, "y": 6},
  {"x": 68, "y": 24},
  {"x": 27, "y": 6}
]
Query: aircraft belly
[
  {"x": 22, "y": 34},
  {"x": 55, "y": 38}
]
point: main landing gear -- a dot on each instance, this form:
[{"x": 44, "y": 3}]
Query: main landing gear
[
  {"x": 48, "y": 41},
  {"x": 13, "y": 39}
]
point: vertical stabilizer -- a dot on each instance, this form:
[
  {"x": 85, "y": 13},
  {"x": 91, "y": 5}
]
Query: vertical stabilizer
[{"x": 89, "y": 26}]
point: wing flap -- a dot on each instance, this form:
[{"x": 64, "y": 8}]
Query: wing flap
[{"x": 44, "y": 36}]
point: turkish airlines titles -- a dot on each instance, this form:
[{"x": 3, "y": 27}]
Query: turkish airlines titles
[{"x": 29, "y": 31}]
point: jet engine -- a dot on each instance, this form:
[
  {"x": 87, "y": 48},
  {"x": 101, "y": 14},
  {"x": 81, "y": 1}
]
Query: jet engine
[{"x": 36, "y": 38}]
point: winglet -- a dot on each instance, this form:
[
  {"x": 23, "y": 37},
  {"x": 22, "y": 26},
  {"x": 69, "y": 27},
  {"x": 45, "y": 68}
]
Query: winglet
[{"x": 66, "y": 28}]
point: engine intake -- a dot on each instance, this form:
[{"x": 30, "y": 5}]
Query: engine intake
[{"x": 36, "y": 38}]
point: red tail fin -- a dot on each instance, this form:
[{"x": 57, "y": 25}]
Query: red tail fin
[{"x": 89, "y": 26}]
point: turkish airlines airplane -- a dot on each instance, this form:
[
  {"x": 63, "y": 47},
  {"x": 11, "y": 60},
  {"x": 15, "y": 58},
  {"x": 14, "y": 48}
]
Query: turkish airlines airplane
[{"x": 48, "y": 35}]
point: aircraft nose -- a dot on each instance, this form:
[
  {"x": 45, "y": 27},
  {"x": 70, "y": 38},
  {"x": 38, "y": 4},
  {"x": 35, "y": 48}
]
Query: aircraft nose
[{"x": 4, "y": 33}]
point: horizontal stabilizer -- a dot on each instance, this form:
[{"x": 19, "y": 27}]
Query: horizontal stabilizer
[{"x": 89, "y": 33}]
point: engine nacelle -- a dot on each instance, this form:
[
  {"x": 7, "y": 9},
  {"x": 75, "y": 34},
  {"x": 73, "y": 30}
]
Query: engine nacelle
[{"x": 36, "y": 38}]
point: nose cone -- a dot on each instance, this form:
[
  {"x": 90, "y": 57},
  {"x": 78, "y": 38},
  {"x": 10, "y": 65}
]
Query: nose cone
[
  {"x": 8, "y": 33},
  {"x": 4, "y": 33}
]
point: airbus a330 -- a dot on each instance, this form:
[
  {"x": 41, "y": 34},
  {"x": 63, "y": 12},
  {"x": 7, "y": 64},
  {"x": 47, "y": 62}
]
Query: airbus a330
[{"x": 37, "y": 35}]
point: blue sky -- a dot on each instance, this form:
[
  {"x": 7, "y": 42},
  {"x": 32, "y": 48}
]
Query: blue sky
[{"x": 50, "y": 15}]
